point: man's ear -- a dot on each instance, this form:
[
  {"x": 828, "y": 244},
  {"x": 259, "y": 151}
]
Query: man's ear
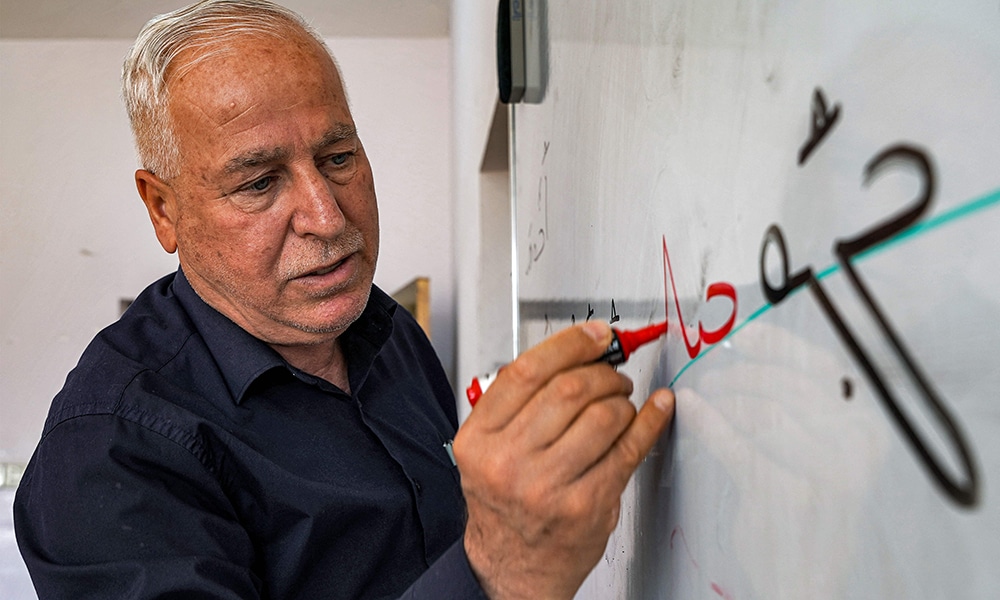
[{"x": 161, "y": 203}]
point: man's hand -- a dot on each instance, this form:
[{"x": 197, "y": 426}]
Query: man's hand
[{"x": 544, "y": 459}]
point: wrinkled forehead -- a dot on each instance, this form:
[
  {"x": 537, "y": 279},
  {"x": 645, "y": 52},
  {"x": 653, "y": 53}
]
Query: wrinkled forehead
[
  {"x": 223, "y": 81},
  {"x": 254, "y": 93},
  {"x": 218, "y": 52}
]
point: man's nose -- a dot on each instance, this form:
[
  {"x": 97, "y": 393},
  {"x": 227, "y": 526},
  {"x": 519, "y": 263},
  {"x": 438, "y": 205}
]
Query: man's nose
[{"x": 317, "y": 212}]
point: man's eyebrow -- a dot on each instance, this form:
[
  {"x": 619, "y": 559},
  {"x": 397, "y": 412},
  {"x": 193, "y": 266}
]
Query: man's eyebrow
[
  {"x": 255, "y": 158},
  {"x": 337, "y": 134}
]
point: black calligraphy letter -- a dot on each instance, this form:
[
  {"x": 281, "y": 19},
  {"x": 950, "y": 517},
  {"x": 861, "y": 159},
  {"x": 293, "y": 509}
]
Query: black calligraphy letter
[
  {"x": 788, "y": 282},
  {"x": 965, "y": 493},
  {"x": 822, "y": 121}
]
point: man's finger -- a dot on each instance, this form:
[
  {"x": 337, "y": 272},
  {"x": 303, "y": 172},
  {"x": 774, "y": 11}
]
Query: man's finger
[
  {"x": 558, "y": 405},
  {"x": 592, "y": 434},
  {"x": 519, "y": 381},
  {"x": 633, "y": 445}
]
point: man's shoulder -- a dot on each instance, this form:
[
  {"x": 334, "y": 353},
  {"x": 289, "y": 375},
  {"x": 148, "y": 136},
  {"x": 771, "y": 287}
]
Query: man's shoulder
[
  {"x": 152, "y": 330},
  {"x": 148, "y": 336}
]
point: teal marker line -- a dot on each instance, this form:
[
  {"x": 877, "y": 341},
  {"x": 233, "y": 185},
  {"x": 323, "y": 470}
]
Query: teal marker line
[{"x": 961, "y": 211}]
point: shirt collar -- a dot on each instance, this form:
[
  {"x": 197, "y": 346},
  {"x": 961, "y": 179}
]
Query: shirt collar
[
  {"x": 365, "y": 337},
  {"x": 242, "y": 358}
]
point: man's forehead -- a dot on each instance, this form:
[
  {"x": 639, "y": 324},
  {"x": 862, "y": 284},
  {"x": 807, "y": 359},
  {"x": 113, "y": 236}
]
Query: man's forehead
[
  {"x": 260, "y": 101},
  {"x": 251, "y": 60},
  {"x": 221, "y": 87}
]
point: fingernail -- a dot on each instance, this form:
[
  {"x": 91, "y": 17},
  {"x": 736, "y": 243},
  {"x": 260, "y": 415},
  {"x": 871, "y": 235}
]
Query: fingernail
[{"x": 596, "y": 330}]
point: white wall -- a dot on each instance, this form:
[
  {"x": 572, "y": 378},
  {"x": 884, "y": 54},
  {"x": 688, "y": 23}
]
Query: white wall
[{"x": 74, "y": 237}]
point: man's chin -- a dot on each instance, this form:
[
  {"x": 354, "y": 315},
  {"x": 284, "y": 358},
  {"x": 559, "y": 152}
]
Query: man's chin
[{"x": 331, "y": 317}]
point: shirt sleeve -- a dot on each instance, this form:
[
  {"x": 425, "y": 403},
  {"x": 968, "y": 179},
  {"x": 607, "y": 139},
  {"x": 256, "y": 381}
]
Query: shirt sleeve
[
  {"x": 450, "y": 577},
  {"x": 109, "y": 508}
]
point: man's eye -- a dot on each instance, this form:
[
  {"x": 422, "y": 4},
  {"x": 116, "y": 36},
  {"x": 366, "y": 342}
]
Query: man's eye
[
  {"x": 338, "y": 168},
  {"x": 261, "y": 184}
]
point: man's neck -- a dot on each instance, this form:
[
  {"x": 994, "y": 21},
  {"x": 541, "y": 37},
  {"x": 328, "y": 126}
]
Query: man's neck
[{"x": 325, "y": 361}]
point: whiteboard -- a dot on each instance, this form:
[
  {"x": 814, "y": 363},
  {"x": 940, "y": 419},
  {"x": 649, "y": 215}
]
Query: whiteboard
[{"x": 809, "y": 192}]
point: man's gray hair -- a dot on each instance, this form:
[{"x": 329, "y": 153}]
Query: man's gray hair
[{"x": 207, "y": 26}]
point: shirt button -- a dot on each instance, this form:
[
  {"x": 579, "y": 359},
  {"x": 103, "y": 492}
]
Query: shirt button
[{"x": 416, "y": 486}]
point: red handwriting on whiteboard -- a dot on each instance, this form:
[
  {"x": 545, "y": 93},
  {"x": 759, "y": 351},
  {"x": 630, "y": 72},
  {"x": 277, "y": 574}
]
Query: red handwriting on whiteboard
[{"x": 719, "y": 288}]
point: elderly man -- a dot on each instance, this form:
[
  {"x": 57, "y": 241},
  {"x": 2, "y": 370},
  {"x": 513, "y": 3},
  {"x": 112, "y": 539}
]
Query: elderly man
[{"x": 265, "y": 423}]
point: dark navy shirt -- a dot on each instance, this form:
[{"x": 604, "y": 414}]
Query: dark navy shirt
[{"x": 184, "y": 458}]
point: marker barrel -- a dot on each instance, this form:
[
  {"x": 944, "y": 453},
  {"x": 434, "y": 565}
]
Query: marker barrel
[
  {"x": 623, "y": 344},
  {"x": 479, "y": 386}
]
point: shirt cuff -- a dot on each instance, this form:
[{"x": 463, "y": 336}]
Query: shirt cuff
[{"x": 450, "y": 577}]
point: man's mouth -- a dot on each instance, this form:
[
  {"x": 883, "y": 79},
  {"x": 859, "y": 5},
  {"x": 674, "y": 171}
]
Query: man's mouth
[{"x": 325, "y": 270}]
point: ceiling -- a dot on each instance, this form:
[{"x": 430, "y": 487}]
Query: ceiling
[{"x": 123, "y": 18}]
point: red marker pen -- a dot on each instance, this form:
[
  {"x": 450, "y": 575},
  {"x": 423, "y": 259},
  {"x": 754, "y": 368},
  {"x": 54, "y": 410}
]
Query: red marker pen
[{"x": 623, "y": 344}]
